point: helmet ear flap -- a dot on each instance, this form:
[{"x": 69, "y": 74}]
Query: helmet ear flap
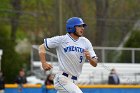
[{"x": 71, "y": 30}]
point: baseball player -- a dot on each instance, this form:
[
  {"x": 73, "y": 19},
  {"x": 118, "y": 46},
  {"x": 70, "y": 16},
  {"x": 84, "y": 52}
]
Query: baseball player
[{"x": 72, "y": 50}]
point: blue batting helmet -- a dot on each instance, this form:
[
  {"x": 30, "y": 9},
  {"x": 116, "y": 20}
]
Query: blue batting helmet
[{"x": 72, "y": 22}]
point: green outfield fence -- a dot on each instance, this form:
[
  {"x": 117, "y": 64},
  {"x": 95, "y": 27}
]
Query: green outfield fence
[{"x": 30, "y": 88}]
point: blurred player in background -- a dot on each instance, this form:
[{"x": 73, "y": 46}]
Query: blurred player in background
[
  {"x": 113, "y": 77},
  {"x": 49, "y": 79},
  {"x": 2, "y": 82},
  {"x": 72, "y": 50},
  {"x": 21, "y": 79}
]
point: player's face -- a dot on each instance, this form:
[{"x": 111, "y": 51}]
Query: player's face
[{"x": 79, "y": 30}]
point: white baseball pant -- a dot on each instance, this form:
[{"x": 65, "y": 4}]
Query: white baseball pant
[{"x": 64, "y": 84}]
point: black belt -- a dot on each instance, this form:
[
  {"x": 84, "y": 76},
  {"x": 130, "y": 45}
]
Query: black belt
[{"x": 73, "y": 77}]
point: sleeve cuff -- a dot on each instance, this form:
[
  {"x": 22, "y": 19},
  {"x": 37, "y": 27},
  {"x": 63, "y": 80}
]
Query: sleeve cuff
[
  {"x": 95, "y": 57},
  {"x": 45, "y": 43}
]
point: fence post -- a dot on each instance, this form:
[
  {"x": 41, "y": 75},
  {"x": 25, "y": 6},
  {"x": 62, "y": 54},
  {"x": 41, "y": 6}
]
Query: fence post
[
  {"x": 133, "y": 56},
  {"x": 103, "y": 55}
]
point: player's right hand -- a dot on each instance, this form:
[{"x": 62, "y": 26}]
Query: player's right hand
[{"x": 46, "y": 66}]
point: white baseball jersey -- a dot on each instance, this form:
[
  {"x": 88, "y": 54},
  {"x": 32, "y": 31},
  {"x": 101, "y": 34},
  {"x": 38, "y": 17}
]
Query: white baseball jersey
[{"x": 70, "y": 52}]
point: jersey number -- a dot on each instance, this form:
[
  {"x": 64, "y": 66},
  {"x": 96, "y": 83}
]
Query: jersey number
[{"x": 81, "y": 58}]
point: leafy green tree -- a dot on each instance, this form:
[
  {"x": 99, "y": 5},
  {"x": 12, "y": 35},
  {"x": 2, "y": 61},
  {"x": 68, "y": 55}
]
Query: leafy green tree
[
  {"x": 133, "y": 42},
  {"x": 11, "y": 61}
]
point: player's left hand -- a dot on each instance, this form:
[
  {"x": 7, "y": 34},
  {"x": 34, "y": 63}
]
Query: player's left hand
[{"x": 87, "y": 54}]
